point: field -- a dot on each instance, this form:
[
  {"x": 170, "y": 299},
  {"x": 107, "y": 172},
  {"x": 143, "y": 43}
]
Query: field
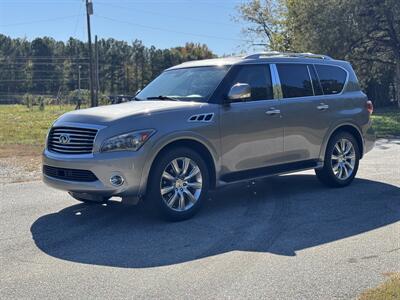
[
  {"x": 386, "y": 122},
  {"x": 22, "y": 126}
]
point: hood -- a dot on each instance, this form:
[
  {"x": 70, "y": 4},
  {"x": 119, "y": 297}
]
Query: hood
[{"x": 103, "y": 115}]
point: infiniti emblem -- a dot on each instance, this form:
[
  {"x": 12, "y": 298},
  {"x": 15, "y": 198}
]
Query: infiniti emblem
[{"x": 64, "y": 138}]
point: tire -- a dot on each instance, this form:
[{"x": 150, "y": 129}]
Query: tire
[
  {"x": 340, "y": 168},
  {"x": 167, "y": 185},
  {"x": 76, "y": 197}
]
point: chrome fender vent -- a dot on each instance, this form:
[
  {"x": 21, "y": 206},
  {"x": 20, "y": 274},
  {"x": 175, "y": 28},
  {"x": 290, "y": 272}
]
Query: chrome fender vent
[{"x": 201, "y": 118}]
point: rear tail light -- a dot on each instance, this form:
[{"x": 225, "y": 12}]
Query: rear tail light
[{"x": 370, "y": 107}]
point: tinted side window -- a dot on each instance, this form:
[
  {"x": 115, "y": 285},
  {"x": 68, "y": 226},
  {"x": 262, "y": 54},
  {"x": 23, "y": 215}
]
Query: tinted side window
[
  {"x": 332, "y": 78},
  {"x": 316, "y": 84},
  {"x": 295, "y": 80},
  {"x": 259, "y": 79}
]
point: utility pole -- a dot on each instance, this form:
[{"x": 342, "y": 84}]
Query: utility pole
[
  {"x": 78, "y": 105},
  {"x": 96, "y": 67},
  {"x": 89, "y": 11}
]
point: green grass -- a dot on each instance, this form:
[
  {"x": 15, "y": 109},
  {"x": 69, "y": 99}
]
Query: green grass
[
  {"x": 22, "y": 126},
  {"x": 386, "y": 122}
]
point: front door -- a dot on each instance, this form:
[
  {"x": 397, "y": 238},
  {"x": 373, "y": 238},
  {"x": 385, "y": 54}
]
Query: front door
[{"x": 251, "y": 130}]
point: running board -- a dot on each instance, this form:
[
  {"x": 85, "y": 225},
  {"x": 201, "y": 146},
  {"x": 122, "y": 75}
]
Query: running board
[{"x": 272, "y": 170}]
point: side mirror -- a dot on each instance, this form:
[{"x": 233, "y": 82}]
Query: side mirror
[{"x": 239, "y": 91}]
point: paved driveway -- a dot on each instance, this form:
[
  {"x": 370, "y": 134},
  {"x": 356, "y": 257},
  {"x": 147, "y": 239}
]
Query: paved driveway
[{"x": 279, "y": 238}]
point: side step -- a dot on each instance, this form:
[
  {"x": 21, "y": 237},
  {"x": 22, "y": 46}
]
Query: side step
[{"x": 272, "y": 170}]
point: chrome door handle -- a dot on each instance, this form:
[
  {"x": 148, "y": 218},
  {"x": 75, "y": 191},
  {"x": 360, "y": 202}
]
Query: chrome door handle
[
  {"x": 323, "y": 106},
  {"x": 273, "y": 111}
]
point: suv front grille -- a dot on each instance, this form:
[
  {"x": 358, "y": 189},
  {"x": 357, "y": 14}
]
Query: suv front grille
[
  {"x": 69, "y": 174},
  {"x": 71, "y": 140}
]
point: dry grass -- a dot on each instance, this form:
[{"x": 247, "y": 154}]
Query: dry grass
[{"x": 389, "y": 290}]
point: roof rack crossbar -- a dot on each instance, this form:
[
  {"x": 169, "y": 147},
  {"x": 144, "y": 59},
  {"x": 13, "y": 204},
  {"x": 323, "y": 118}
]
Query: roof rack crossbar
[{"x": 286, "y": 54}]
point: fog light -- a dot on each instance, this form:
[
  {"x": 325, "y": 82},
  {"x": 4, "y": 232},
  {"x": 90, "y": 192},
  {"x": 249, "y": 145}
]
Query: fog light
[{"x": 116, "y": 180}]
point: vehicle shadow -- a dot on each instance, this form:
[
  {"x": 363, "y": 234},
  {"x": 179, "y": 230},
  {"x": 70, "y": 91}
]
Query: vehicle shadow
[{"x": 278, "y": 215}]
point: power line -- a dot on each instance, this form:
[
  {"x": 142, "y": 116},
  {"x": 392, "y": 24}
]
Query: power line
[
  {"x": 171, "y": 31},
  {"x": 39, "y": 58},
  {"x": 34, "y": 80},
  {"x": 43, "y": 63},
  {"x": 161, "y": 14},
  {"x": 77, "y": 19},
  {"x": 38, "y": 21}
]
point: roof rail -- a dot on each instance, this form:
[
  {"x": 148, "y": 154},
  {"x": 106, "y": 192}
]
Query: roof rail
[{"x": 286, "y": 54}]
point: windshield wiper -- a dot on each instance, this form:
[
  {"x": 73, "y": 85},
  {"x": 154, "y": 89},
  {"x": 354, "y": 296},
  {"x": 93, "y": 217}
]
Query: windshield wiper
[{"x": 161, "y": 97}]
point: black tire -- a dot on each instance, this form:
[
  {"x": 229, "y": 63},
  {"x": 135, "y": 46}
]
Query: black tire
[
  {"x": 73, "y": 195},
  {"x": 154, "y": 200},
  {"x": 326, "y": 174}
]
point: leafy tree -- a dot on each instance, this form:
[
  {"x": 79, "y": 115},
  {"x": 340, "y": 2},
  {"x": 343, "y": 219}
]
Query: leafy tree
[
  {"x": 48, "y": 67},
  {"x": 365, "y": 32},
  {"x": 265, "y": 23}
]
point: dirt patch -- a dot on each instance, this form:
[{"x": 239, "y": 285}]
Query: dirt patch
[{"x": 20, "y": 163}]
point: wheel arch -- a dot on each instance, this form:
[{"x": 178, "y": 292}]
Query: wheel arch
[
  {"x": 346, "y": 127},
  {"x": 202, "y": 148}
]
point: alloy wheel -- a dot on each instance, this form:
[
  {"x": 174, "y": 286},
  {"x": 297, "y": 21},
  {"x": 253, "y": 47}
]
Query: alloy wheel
[
  {"x": 343, "y": 159},
  {"x": 181, "y": 184}
]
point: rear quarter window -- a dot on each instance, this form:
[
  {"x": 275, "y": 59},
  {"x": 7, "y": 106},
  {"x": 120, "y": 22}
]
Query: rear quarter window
[
  {"x": 295, "y": 80},
  {"x": 332, "y": 78}
]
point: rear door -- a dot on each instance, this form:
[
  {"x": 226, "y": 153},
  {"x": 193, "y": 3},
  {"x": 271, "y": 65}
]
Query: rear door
[
  {"x": 251, "y": 130},
  {"x": 305, "y": 119}
]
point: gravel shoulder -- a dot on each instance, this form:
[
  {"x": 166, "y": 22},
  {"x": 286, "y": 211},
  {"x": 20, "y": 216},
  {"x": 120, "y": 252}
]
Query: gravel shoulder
[{"x": 20, "y": 163}]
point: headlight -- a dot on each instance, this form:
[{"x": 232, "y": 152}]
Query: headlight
[{"x": 128, "y": 141}]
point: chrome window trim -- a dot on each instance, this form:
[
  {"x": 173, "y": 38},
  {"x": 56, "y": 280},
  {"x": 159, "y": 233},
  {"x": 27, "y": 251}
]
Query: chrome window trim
[
  {"x": 276, "y": 82},
  {"x": 311, "y": 80}
]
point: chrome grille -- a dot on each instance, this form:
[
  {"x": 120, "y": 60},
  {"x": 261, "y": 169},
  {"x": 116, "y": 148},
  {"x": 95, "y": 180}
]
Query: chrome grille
[{"x": 71, "y": 140}]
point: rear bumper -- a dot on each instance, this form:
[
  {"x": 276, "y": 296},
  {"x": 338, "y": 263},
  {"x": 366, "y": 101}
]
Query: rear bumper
[
  {"x": 129, "y": 165},
  {"x": 369, "y": 140}
]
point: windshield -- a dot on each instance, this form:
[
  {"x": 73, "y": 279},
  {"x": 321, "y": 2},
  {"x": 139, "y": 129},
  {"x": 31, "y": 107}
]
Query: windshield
[{"x": 187, "y": 84}]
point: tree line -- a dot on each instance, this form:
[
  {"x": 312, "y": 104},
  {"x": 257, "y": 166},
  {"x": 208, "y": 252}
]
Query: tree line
[
  {"x": 364, "y": 32},
  {"x": 52, "y": 68}
]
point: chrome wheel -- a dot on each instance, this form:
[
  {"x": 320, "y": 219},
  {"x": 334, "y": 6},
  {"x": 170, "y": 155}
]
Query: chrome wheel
[
  {"x": 343, "y": 159},
  {"x": 181, "y": 184}
]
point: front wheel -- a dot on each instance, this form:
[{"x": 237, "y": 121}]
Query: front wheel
[
  {"x": 341, "y": 160},
  {"x": 178, "y": 184}
]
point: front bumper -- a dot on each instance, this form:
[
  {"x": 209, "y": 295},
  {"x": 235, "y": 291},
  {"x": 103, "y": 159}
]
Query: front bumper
[{"x": 127, "y": 164}]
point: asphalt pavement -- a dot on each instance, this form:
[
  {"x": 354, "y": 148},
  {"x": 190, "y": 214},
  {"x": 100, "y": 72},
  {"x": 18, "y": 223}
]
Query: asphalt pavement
[{"x": 284, "y": 237}]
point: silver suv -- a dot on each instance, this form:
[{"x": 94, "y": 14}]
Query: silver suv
[{"x": 204, "y": 124}]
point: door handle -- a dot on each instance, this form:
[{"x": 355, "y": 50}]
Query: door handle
[
  {"x": 323, "y": 106},
  {"x": 272, "y": 111}
]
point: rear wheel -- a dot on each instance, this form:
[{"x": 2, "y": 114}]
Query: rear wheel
[
  {"x": 341, "y": 161},
  {"x": 178, "y": 184}
]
